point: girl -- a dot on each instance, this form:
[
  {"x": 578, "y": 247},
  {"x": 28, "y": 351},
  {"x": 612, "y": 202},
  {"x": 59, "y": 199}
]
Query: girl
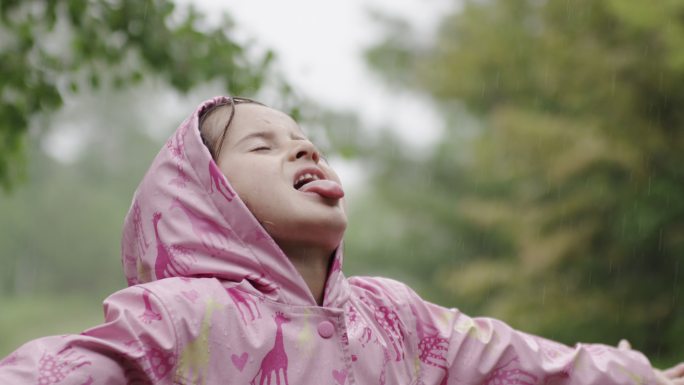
[{"x": 240, "y": 282}]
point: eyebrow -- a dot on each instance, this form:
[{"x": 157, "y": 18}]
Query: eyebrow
[
  {"x": 268, "y": 135},
  {"x": 259, "y": 134}
]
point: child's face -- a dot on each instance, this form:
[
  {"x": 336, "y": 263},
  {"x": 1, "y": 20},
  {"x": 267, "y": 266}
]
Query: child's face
[{"x": 264, "y": 155}]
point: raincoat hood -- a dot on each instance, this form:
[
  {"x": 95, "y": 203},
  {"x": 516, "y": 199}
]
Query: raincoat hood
[{"x": 200, "y": 227}]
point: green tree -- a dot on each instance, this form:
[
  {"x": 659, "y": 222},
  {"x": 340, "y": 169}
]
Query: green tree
[
  {"x": 60, "y": 230},
  {"x": 53, "y": 48},
  {"x": 561, "y": 212}
]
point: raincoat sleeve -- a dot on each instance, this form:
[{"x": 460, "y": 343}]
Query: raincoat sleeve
[
  {"x": 487, "y": 351},
  {"x": 136, "y": 344}
]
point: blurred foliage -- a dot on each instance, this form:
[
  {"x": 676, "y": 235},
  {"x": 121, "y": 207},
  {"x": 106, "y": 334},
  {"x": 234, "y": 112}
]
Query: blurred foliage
[
  {"x": 50, "y": 48},
  {"x": 25, "y": 318},
  {"x": 60, "y": 231},
  {"x": 561, "y": 210}
]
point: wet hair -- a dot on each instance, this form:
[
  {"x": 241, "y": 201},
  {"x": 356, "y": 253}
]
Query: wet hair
[{"x": 215, "y": 121}]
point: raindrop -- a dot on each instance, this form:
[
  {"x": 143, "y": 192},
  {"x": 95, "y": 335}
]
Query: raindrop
[
  {"x": 676, "y": 271},
  {"x": 660, "y": 240}
]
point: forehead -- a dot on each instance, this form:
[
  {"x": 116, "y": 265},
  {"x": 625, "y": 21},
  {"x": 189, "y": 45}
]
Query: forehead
[{"x": 251, "y": 118}]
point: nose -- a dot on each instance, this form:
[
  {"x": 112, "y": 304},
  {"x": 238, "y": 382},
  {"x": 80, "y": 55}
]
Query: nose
[{"x": 305, "y": 149}]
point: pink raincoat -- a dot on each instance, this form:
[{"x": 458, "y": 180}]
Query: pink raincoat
[{"x": 213, "y": 300}]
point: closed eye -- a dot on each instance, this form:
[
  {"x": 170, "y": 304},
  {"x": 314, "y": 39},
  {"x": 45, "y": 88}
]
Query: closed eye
[{"x": 260, "y": 148}]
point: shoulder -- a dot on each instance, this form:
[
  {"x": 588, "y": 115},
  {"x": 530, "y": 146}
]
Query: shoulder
[
  {"x": 179, "y": 298},
  {"x": 171, "y": 289},
  {"x": 183, "y": 304},
  {"x": 389, "y": 292},
  {"x": 384, "y": 288}
]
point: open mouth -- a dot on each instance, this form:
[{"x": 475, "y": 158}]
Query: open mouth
[
  {"x": 313, "y": 180},
  {"x": 307, "y": 176}
]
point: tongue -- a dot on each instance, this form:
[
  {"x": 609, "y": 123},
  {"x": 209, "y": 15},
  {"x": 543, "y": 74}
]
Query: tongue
[{"x": 325, "y": 188}]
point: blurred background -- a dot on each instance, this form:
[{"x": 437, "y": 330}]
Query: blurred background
[{"x": 520, "y": 159}]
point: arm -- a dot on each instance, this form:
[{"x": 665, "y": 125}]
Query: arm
[
  {"x": 671, "y": 376},
  {"x": 484, "y": 351},
  {"x": 493, "y": 351},
  {"x": 136, "y": 344}
]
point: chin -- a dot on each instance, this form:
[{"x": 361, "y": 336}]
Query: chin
[
  {"x": 332, "y": 236},
  {"x": 326, "y": 235},
  {"x": 335, "y": 242}
]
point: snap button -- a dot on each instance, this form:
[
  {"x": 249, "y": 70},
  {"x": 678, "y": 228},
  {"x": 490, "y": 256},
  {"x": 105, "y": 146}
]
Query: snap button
[{"x": 326, "y": 329}]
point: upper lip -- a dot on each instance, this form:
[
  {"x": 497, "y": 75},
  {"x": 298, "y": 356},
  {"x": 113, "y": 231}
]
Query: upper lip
[{"x": 313, "y": 171}]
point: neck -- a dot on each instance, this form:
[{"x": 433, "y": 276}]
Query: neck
[{"x": 312, "y": 263}]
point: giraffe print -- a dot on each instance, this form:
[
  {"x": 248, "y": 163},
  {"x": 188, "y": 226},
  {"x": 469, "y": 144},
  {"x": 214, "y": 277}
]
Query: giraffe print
[
  {"x": 432, "y": 347},
  {"x": 389, "y": 321},
  {"x": 211, "y": 234},
  {"x": 155, "y": 362},
  {"x": 53, "y": 369},
  {"x": 432, "y": 351},
  {"x": 9, "y": 360},
  {"x": 358, "y": 327},
  {"x": 149, "y": 315},
  {"x": 510, "y": 374},
  {"x": 275, "y": 361},
  {"x": 176, "y": 145},
  {"x": 181, "y": 179},
  {"x": 218, "y": 182},
  {"x": 171, "y": 261},
  {"x": 247, "y": 301}
]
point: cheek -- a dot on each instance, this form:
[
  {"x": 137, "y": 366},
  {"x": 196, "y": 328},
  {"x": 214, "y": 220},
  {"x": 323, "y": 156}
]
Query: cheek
[
  {"x": 264, "y": 206},
  {"x": 239, "y": 179},
  {"x": 237, "y": 170},
  {"x": 245, "y": 186},
  {"x": 255, "y": 189}
]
